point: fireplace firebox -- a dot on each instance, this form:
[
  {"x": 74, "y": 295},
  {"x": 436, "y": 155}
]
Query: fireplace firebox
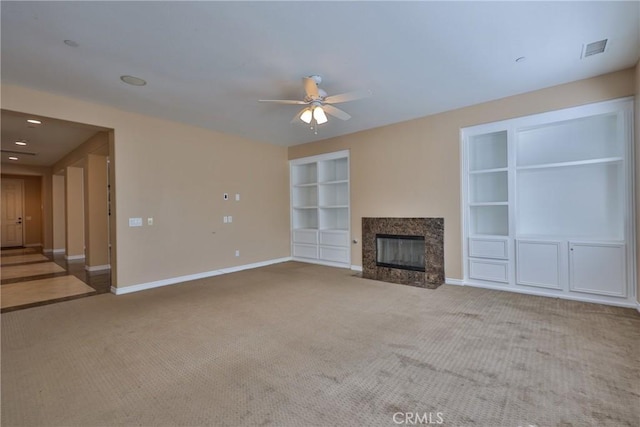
[{"x": 404, "y": 252}]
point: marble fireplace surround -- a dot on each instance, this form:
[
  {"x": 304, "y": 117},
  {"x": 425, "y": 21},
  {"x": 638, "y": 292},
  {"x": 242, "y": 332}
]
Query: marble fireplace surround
[{"x": 433, "y": 231}]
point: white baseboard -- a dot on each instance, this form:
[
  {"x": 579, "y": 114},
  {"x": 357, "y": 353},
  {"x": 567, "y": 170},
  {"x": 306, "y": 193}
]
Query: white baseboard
[
  {"x": 356, "y": 268},
  {"x": 97, "y": 267},
  {"x": 456, "y": 282},
  {"x": 33, "y": 245},
  {"x": 626, "y": 304},
  {"x": 58, "y": 251},
  {"x": 189, "y": 277},
  {"x": 638, "y": 306},
  {"x": 73, "y": 257},
  {"x": 47, "y": 251}
]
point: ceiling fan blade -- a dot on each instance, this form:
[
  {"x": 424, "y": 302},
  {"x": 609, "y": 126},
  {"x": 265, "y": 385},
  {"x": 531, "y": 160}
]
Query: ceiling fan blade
[
  {"x": 283, "y": 101},
  {"x": 336, "y": 112},
  {"x": 348, "y": 96},
  {"x": 310, "y": 88}
]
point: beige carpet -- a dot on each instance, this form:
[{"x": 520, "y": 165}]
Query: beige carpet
[
  {"x": 32, "y": 291},
  {"x": 304, "y": 345}
]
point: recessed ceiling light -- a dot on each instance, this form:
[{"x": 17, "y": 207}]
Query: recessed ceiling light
[
  {"x": 13, "y": 158},
  {"x": 521, "y": 59},
  {"x": 21, "y": 142},
  {"x": 34, "y": 121},
  {"x": 135, "y": 81}
]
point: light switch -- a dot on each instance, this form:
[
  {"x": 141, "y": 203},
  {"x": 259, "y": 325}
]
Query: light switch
[
  {"x": 237, "y": 197},
  {"x": 225, "y": 219},
  {"x": 230, "y": 218},
  {"x": 149, "y": 221},
  {"x": 135, "y": 222}
]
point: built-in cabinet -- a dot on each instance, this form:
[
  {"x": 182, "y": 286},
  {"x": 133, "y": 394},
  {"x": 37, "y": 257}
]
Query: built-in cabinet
[
  {"x": 320, "y": 217},
  {"x": 548, "y": 203}
]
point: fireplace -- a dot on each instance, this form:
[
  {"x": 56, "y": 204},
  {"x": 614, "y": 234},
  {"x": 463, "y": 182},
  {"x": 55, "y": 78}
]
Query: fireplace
[
  {"x": 408, "y": 251},
  {"x": 404, "y": 252}
]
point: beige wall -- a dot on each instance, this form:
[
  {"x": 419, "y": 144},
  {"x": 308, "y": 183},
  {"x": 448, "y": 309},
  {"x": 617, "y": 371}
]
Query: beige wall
[
  {"x": 59, "y": 227},
  {"x": 413, "y": 168},
  {"x": 74, "y": 208},
  {"x": 177, "y": 174},
  {"x": 32, "y": 215}
]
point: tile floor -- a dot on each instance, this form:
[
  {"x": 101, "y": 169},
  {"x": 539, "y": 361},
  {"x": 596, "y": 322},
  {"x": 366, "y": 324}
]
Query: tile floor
[{"x": 31, "y": 279}]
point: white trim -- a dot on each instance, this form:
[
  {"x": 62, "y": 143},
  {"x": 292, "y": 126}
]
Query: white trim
[
  {"x": 456, "y": 282},
  {"x": 321, "y": 262},
  {"x": 356, "y": 268},
  {"x": 189, "y": 277},
  {"x": 33, "y": 245},
  {"x": 73, "y": 257},
  {"x": 570, "y": 297},
  {"x": 319, "y": 157},
  {"x": 97, "y": 267},
  {"x": 57, "y": 251},
  {"x": 638, "y": 306},
  {"x": 47, "y": 250}
]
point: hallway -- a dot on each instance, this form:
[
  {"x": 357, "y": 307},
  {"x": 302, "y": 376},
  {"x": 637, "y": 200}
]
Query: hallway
[{"x": 31, "y": 279}]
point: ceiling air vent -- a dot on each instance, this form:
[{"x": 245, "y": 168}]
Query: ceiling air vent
[{"x": 594, "y": 48}]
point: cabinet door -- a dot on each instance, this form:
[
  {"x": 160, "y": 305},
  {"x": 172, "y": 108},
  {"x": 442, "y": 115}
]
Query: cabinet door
[
  {"x": 538, "y": 263},
  {"x": 597, "y": 268}
]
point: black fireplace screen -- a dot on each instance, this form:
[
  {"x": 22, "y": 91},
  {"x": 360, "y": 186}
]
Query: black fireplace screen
[{"x": 404, "y": 252}]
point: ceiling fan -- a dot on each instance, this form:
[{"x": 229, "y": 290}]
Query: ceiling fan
[{"x": 317, "y": 103}]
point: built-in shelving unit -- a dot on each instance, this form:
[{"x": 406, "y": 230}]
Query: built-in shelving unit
[
  {"x": 320, "y": 216},
  {"x": 548, "y": 204}
]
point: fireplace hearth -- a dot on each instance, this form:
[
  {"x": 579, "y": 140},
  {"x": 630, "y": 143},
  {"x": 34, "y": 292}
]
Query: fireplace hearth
[{"x": 408, "y": 251}]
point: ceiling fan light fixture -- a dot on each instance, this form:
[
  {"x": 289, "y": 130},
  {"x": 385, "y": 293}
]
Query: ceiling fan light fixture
[
  {"x": 306, "y": 116},
  {"x": 319, "y": 115}
]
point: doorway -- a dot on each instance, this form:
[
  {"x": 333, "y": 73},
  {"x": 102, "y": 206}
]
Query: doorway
[{"x": 12, "y": 212}]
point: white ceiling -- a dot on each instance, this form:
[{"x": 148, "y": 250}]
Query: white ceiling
[{"x": 207, "y": 63}]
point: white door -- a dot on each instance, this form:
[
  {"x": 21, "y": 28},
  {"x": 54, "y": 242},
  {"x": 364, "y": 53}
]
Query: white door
[{"x": 11, "y": 221}]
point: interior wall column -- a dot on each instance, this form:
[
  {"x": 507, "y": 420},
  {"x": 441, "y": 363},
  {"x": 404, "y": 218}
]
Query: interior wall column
[
  {"x": 96, "y": 215},
  {"x": 58, "y": 202},
  {"x": 74, "y": 207}
]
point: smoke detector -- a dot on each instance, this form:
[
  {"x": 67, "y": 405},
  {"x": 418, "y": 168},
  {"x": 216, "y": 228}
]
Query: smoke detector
[{"x": 594, "y": 48}]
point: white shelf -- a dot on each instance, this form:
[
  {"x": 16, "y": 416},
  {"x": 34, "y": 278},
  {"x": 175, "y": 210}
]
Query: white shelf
[
  {"x": 320, "y": 208},
  {"x": 483, "y": 171},
  {"x": 489, "y": 204},
  {"x": 574, "y": 163},
  {"x": 342, "y": 181},
  {"x": 546, "y": 203}
]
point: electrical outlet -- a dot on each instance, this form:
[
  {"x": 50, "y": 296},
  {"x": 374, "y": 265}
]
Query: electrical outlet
[
  {"x": 230, "y": 218},
  {"x": 225, "y": 196},
  {"x": 149, "y": 221},
  {"x": 237, "y": 252},
  {"x": 237, "y": 197}
]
